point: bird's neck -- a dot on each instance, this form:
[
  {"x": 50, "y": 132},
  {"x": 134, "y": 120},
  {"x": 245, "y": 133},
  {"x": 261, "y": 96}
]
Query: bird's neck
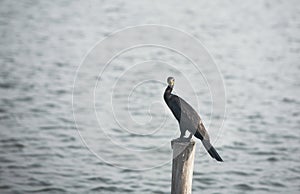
[{"x": 168, "y": 91}]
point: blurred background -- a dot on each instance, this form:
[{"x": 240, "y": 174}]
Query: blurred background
[{"x": 255, "y": 44}]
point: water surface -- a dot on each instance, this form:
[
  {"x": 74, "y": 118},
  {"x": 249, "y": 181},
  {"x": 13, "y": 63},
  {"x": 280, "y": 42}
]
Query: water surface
[{"x": 255, "y": 43}]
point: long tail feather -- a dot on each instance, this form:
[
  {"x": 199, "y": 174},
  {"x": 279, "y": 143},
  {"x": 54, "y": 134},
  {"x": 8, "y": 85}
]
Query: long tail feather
[{"x": 211, "y": 150}]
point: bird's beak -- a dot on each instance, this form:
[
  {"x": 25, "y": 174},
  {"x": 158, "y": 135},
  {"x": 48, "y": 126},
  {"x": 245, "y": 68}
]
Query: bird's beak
[{"x": 172, "y": 83}]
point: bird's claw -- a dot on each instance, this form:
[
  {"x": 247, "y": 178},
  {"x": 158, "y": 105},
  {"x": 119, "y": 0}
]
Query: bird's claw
[{"x": 185, "y": 139}]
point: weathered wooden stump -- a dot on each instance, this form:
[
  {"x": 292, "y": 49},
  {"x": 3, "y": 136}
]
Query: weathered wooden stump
[{"x": 182, "y": 166}]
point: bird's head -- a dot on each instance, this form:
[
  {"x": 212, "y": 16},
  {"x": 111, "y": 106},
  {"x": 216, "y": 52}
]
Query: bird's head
[{"x": 171, "y": 81}]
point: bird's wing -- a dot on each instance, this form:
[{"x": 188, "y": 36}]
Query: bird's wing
[
  {"x": 189, "y": 117},
  {"x": 201, "y": 129},
  {"x": 191, "y": 120}
]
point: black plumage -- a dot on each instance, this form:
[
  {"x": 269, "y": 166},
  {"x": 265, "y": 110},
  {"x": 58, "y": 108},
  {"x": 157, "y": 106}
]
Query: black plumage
[{"x": 188, "y": 119}]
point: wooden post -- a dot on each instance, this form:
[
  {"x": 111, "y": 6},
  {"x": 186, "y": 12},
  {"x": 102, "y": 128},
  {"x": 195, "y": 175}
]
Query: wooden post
[{"x": 182, "y": 166}]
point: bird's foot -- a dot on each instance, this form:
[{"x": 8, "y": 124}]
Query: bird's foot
[{"x": 185, "y": 139}]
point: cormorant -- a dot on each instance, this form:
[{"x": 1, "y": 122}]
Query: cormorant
[{"x": 188, "y": 119}]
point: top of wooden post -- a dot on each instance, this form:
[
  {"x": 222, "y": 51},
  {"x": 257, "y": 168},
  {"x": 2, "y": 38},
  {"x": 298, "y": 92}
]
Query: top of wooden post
[
  {"x": 182, "y": 146},
  {"x": 182, "y": 142}
]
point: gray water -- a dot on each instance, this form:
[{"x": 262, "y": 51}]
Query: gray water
[{"x": 256, "y": 45}]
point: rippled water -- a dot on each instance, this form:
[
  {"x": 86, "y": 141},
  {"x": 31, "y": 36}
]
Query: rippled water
[{"x": 255, "y": 44}]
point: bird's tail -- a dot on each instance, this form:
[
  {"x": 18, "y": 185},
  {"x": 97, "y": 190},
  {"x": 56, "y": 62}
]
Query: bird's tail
[{"x": 211, "y": 150}]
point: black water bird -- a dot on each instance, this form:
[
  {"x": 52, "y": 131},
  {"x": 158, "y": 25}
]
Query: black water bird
[{"x": 188, "y": 119}]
